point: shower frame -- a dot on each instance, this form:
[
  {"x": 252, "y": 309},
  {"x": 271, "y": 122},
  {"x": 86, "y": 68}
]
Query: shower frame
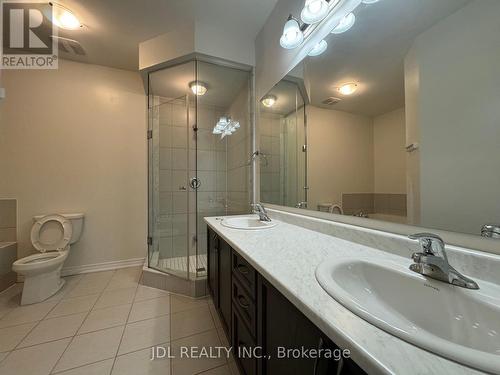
[{"x": 146, "y": 73}]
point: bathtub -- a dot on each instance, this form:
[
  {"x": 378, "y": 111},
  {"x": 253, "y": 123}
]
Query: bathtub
[{"x": 8, "y": 255}]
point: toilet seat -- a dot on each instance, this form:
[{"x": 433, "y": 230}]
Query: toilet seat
[{"x": 58, "y": 246}]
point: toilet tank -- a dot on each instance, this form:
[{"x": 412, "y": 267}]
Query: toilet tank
[{"x": 76, "y": 222}]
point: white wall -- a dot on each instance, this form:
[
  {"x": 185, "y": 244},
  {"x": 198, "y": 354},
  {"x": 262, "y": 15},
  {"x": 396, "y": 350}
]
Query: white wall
[
  {"x": 459, "y": 116},
  {"x": 74, "y": 140},
  {"x": 389, "y": 153},
  {"x": 340, "y": 155}
]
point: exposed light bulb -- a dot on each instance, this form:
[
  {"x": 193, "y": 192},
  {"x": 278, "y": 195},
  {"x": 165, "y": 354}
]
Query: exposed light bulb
[
  {"x": 292, "y": 35},
  {"x": 348, "y": 88},
  {"x": 318, "y": 49},
  {"x": 314, "y": 11},
  {"x": 198, "y": 88},
  {"x": 269, "y": 100},
  {"x": 64, "y": 18},
  {"x": 345, "y": 24}
]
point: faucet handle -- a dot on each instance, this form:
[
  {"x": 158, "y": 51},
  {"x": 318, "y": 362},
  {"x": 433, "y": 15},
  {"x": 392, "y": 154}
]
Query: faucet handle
[{"x": 429, "y": 242}]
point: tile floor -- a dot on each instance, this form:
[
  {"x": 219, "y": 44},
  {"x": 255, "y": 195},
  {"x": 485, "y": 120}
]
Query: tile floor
[{"x": 105, "y": 323}]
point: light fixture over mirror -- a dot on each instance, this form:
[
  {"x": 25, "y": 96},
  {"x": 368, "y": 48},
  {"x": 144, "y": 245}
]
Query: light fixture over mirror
[
  {"x": 345, "y": 24},
  {"x": 269, "y": 100},
  {"x": 198, "y": 88},
  {"x": 292, "y": 34},
  {"x": 314, "y": 11},
  {"x": 318, "y": 49},
  {"x": 64, "y": 18}
]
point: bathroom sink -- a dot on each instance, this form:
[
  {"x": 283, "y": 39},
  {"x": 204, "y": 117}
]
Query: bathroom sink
[
  {"x": 460, "y": 324},
  {"x": 247, "y": 223}
]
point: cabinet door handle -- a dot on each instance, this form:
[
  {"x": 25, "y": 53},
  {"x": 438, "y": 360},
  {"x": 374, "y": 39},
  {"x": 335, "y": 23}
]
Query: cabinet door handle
[
  {"x": 242, "y": 301},
  {"x": 214, "y": 236},
  {"x": 316, "y": 363},
  {"x": 242, "y": 269}
]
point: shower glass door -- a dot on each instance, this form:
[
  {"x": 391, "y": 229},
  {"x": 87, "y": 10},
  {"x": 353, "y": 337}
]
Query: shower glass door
[
  {"x": 195, "y": 170},
  {"x": 172, "y": 146}
]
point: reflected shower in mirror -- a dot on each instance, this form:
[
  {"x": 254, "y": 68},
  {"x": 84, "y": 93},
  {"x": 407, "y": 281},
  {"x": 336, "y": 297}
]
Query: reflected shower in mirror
[{"x": 400, "y": 119}]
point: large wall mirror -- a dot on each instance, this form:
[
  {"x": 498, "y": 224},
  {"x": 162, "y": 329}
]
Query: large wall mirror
[{"x": 398, "y": 120}]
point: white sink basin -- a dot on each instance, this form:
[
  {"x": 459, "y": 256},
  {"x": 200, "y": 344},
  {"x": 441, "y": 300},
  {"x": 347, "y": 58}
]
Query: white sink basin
[
  {"x": 247, "y": 223},
  {"x": 459, "y": 324}
]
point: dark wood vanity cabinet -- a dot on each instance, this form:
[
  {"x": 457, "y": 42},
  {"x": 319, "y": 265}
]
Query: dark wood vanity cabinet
[{"x": 267, "y": 332}]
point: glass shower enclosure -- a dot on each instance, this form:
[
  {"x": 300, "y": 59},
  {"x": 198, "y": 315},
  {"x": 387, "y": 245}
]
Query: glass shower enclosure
[{"x": 199, "y": 141}]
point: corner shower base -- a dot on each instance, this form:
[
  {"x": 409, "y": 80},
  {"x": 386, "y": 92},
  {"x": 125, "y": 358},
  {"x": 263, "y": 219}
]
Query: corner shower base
[{"x": 195, "y": 288}]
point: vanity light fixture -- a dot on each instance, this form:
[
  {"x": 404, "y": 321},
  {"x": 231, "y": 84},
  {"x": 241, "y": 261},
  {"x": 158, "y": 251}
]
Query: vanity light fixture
[
  {"x": 226, "y": 126},
  {"x": 314, "y": 11},
  {"x": 348, "y": 88},
  {"x": 318, "y": 49},
  {"x": 269, "y": 100},
  {"x": 292, "y": 34},
  {"x": 64, "y": 18},
  {"x": 198, "y": 88},
  {"x": 345, "y": 24}
]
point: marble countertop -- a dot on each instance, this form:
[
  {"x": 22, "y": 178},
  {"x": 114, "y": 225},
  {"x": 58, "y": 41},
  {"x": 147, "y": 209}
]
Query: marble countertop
[{"x": 287, "y": 256}]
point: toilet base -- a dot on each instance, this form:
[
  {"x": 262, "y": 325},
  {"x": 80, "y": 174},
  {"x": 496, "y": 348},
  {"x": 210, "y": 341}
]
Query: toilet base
[{"x": 39, "y": 287}]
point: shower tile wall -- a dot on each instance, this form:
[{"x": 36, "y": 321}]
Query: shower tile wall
[
  {"x": 177, "y": 165},
  {"x": 270, "y": 145}
]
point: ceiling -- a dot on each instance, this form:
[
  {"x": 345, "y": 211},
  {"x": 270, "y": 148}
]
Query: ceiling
[
  {"x": 223, "y": 83},
  {"x": 114, "y": 28},
  {"x": 372, "y": 54}
]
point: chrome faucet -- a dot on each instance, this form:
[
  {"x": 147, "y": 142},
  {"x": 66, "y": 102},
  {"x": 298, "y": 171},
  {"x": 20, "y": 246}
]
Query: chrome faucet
[
  {"x": 301, "y": 205},
  {"x": 433, "y": 262},
  {"x": 491, "y": 231},
  {"x": 259, "y": 209}
]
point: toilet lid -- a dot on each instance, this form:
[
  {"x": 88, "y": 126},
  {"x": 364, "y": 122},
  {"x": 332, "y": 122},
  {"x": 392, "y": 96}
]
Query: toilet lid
[{"x": 59, "y": 245}]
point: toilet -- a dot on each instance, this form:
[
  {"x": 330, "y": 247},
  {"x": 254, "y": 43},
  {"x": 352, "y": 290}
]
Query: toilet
[{"x": 52, "y": 236}]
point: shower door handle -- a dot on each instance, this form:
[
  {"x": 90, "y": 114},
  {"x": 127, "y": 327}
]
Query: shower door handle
[{"x": 195, "y": 183}]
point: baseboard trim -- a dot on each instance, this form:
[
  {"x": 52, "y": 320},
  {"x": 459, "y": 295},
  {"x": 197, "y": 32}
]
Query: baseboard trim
[{"x": 106, "y": 266}]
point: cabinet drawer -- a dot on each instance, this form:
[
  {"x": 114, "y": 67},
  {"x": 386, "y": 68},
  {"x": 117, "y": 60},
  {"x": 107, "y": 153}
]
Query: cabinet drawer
[
  {"x": 245, "y": 305},
  {"x": 243, "y": 346},
  {"x": 245, "y": 273}
]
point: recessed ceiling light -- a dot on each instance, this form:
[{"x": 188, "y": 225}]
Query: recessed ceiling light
[
  {"x": 348, "y": 88},
  {"x": 198, "y": 88},
  {"x": 292, "y": 35},
  {"x": 345, "y": 24},
  {"x": 269, "y": 100},
  {"x": 314, "y": 11},
  {"x": 63, "y": 18},
  {"x": 319, "y": 48}
]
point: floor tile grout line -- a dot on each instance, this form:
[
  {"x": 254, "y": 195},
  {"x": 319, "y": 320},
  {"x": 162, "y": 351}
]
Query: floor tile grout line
[
  {"x": 36, "y": 325},
  {"x": 73, "y": 338},
  {"x": 124, "y": 328},
  {"x": 86, "y": 364}
]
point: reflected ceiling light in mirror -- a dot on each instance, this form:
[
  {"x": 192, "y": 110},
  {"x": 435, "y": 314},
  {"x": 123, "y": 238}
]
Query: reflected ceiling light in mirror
[
  {"x": 348, "y": 88},
  {"x": 198, "y": 88},
  {"x": 64, "y": 18},
  {"x": 345, "y": 24},
  {"x": 226, "y": 126},
  {"x": 292, "y": 34},
  {"x": 318, "y": 49},
  {"x": 269, "y": 100},
  {"x": 314, "y": 11}
]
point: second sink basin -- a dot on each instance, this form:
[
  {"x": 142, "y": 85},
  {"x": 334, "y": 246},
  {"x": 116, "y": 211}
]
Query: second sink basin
[
  {"x": 460, "y": 324},
  {"x": 247, "y": 223}
]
